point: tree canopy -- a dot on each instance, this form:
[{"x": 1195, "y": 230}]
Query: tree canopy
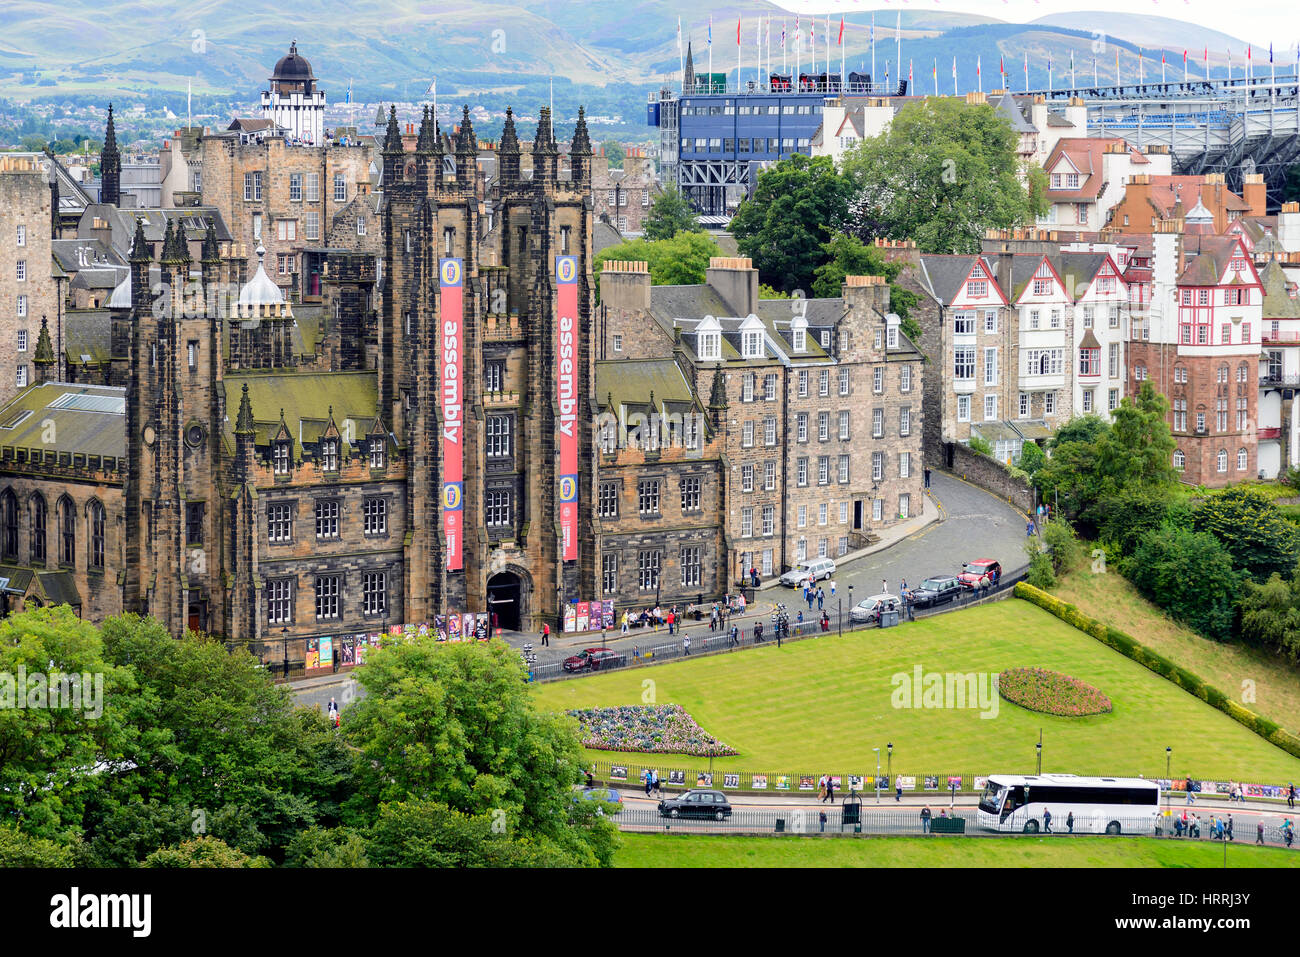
[
  {"x": 679, "y": 261},
  {"x": 941, "y": 174},
  {"x": 669, "y": 215}
]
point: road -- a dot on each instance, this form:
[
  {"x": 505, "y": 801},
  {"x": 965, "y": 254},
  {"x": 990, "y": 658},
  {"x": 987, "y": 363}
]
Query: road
[{"x": 975, "y": 524}]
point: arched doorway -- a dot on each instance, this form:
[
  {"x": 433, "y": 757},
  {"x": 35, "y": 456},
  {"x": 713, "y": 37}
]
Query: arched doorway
[{"x": 506, "y": 599}]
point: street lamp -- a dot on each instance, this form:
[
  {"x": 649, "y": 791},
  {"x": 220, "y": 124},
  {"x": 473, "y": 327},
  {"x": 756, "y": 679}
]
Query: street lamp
[
  {"x": 1039, "y": 748},
  {"x": 877, "y": 750},
  {"x": 850, "y": 606},
  {"x": 285, "y": 642},
  {"x": 1169, "y": 781},
  {"x": 890, "y": 769}
]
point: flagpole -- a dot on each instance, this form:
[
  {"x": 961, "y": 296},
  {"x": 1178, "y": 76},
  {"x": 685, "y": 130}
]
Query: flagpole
[
  {"x": 844, "y": 79},
  {"x": 710, "y": 53},
  {"x": 739, "y": 80},
  {"x": 936, "y": 76},
  {"x": 828, "y": 53},
  {"x": 898, "y": 40},
  {"x": 681, "y": 57},
  {"x": 954, "y": 76}
]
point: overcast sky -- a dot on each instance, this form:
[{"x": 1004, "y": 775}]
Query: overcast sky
[{"x": 1257, "y": 21}]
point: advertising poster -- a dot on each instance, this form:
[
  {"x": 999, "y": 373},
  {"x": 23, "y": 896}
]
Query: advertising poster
[
  {"x": 439, "y": 627},
  {"x": 451, "y": 346},
  {"x": 731, "y": 781},
  {"x": 908, "y": 783},
  {"x": 677, "y": 778},
  {"x": 570, "y": 617},
  {"x": 855, "y": 782},
  {"x": 467, "y": 623},
  {"x": 783, "y": 782},
  {"x": 326, "y": 651},
  {"x": 481, "y": 626},
  {"x": 583, "y": 616},
  {"x": 954, "y": 781},
  {"x": 313, "y": 654},
  {"x": 347, "y": 650},
  {"x": 835, "y": 781},
  {"x": 566, "y": 395},
  {"x": 758, "y": 782},
  {"x": 932, "y": 782},
  {"x": 618, "y": 773},
  {"x": 703, "y": 780},
  {"x": 806, "y": 782},
  {"x": 981, "y": 783},
  {"x": 453, "y": 626},
  {"x": 607, "y": 612}
]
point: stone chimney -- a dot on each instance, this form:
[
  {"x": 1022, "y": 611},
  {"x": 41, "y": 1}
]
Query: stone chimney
[
  {"x": 1255, "y": 193},
  {"x": 625, "y": 285},
  {"x": 1288, "y": 227},
  {"x": 735, "y": 279}
]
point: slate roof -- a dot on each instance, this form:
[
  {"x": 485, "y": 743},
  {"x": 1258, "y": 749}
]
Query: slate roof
[
  {"x": 942, "y": 275},
  {"x": 631, "y": 381},
  {"x": 87, "y": 332},
  {"x": 77, "y": 254},
  {"x": 1278, "y": 302},
  {"x": 306, "y": 398},
  {"x": 1206, "y": 260}
]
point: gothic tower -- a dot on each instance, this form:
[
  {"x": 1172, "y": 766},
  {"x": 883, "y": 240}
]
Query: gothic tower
[{"x": 110, "y": 166}]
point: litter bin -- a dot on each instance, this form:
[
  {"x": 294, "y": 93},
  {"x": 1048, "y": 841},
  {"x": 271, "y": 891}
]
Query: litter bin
[
  {"x": 888, "y": 617},
  {"x": 852, "y": 811}
]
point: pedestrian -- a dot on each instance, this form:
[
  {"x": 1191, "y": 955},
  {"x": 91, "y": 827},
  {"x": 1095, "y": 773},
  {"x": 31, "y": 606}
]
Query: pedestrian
[
  {"x": 734, "y": 639},
  {"x": 1069, "y": 822},
  {"x": 1047, "y": 821},
  {"x": 546, "y": 634},
  {"x": 799, "y": 615},
  {"x": 686, "y": 643},
  {"x": 1230, "y": 837},
  {"x": 1029, "y": 528},
  {"x": 753, "y": 577},
  {"x": 658, "y": 787},
  {"x": 332, "y": 706},
  {"x": 1290, "y": 795},
  {"x": 758, "y": 632},
  {"x": 902, "y": 586},
  {"x": 337, "y": 719},
  {"x": 926, "y": 472},
  {"x": 925, "y": 820},
  {"x": 826, "y": 622},
  {"x": 1259, "y": 833},
  {"x": 646, "y": 775},
  {"x": 830, "y": 788},
  {"x": 821, "y": 596},
  {"x": 1191, "y": 798},
  {"x": 811, "y": 596},
  {"x": 898, "y": 791},
  {"x": 884, "y": 587},
  {"x": 832, "y": 583},
  {"x": 672, "y": 619},
  {"x": 626, "y": 624}
]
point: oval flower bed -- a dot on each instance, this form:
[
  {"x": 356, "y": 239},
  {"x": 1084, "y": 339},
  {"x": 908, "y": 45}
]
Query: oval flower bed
[
  {"x": 655, "y": 729},
  {"x": 1050, "y": 692}
]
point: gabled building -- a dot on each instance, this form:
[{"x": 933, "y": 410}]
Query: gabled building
[{"x": 1086, "y": 177}]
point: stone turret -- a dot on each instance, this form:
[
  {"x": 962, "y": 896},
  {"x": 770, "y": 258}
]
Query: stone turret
[{"x": 110, "y": 165}]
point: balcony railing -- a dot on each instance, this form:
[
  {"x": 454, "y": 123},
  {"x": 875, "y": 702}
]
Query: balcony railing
[
  {"x": 1269, "y": 381},
  {"x": 1293, "y": 337}
]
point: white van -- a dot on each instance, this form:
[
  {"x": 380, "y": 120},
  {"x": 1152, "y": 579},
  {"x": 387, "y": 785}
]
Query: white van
[{"x": 814, "y": 568}]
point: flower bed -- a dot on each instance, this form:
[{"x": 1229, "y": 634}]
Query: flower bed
[
  {"x": 652, "y": 729},
  {"x": 1050, "y": 692}
]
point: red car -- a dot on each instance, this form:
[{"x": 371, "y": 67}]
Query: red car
[
  {"x": 592, "y": 659},
  {"x": 982, "y": 571}
]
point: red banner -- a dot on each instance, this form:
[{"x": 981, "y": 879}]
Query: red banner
[
  {"x": 566, "y": 381},
  {"x": 451, "y": 286}
]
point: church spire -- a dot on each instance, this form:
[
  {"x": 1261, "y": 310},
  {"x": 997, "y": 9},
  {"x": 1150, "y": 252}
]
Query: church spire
[
  {"x": 508, "y": 151},
  {"x": 244, "y": 423},
  {"x": 110, "y": 165}
]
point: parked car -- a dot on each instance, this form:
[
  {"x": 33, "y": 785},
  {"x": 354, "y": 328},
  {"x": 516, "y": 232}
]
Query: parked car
[
  {"x": 593, "y": 659},
  {"x": 936, "y": 591},
  {"x": 710, "y": 804},
  {"x": 603, "y": 795},
  {"x": 814, "y": 568},
  {"x": 982, "y": 571},
  {"x": 869, "y": 608}
]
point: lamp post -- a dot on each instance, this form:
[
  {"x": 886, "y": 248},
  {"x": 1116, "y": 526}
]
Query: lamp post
[
  {"x": 850, "y": 606},
  {"x": 889, "y": 770},
  {"x": 285, "y": 647},
  {"x": 1039, "y": 748},
  {"x": 1169, "y": 780},
  {"x": 877, "y": 750}
]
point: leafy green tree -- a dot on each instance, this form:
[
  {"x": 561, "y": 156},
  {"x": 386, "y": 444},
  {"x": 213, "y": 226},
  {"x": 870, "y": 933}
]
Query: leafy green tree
[
  {"x": 614, "y": 152},
  {"x": 22, "y": 850},
  {"x": 669, "y": 215},
  {"x": 680, "y": 261},
  {"x": 455, "y": 725},
  {"x": 797, "y": 205},
  {"x": 1081, "y": 428},
  {"x": 1133, "y": 512},
  {"x": 1190, "y": 575},
  {"x": 1138, "y": 449},
  {"x": 1253, "y": 530},
  {"x": 1042, "y": 573},
  {"x": 849, "y": 256},
  {"x": 326, "y": 847},
  {"x": 1066, "y": 549},
  {"x": 1270, "y": 614},
  {"x": 941, "y": 174},
  {"x": 767, "y": 292},
  {"x": 980, "y": 444},
  {"x": 203, "y": 852},
  {"x": 50, "y": 747},
  {"x": 1032, "y": 458}
]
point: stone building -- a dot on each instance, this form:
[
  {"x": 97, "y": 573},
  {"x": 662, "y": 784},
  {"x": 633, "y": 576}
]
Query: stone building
[
  {"x": 28, "y": 290},
  {"x": 823, "y": 397},
  {"x": 624, "y": 196}
]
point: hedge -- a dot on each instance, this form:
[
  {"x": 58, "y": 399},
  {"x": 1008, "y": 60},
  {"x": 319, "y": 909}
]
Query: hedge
[{"x": 1134, "y": 649}]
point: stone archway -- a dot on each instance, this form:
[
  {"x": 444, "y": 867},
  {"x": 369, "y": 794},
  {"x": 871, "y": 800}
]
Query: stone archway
[{"x": 507, "y": 599}]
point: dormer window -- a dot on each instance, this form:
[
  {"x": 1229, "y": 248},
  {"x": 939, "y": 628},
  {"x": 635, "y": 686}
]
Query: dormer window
[
  {"x": 710, "y": 345},
  {"x": 329, "y": 455},
  {"x": 280, "y": 458},
  {"x": 799, "y": 334},
  {"x": 377, "y": 452},
  {"x": 752, "y": 345}
]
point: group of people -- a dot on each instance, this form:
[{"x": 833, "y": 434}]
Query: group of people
[
  {"x": 927, "y": 816},
  {"x": 650, "y": 778},
  {"x": 812, "y": 592},
  {"x": 332, "y": 710}
]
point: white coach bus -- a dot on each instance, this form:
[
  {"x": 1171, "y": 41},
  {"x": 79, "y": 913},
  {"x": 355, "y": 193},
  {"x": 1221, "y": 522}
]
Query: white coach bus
[{"x": 1014, "y": 802}]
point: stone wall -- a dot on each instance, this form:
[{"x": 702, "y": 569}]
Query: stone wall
[{"x": 990, "y": 474}]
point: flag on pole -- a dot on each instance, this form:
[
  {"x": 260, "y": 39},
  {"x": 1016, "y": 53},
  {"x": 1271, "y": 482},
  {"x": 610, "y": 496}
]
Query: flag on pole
[
  {"x": 679, "y": 34},
  {"x": 954, "y": 76},
  {"x": 710, "y": 30},
  {"x": 935, "y": 74},
  {"x": 349, "y": 96},
  {"x": 1002, "y": 68},
  {"x": 1026, "y": 71},
  {"x": 979, "y": 79},
  {"x": 1184, "y": 66}
]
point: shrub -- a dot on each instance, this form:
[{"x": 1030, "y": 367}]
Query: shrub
[{"x": 981, "y": 445}]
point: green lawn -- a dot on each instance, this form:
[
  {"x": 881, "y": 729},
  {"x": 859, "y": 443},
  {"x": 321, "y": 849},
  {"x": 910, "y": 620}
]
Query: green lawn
[
  {"x": 821, "y": 706},
  {"x": 697, "y": 850},
  {"x": 1239, "y": 671}
]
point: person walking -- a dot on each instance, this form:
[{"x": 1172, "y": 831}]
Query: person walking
[
  {"x": 898, "y": 791},
  {"x": 1047, "y": 821},
  {"x": 925, "y": 820},
  {"x": 735, "y": 639},
  {"x": 1259, "y": 833},
  {"x": 758, "y": 632},
  {"x": 546, "y": 634},
  {"x": 884, "y": 586},
  {"x": 646, "y": 777},
  {"x": 810, "y": 595},
  {"x": 686, "y": 643},
  {"x": 1290, "y": 795},
  {"x": 1229, "y": 828},
  {"x": 832, "y": 584},
  {"x": 1191, "y": 798},
  {"x": 753, "y": 577},
  {"x": 672, "y": 620},
  {"x": 821, "y": 597},
  {"x": 1069, "y": 822},
  {"x": 626, "y": 624},
  {"x": 830, "y": 789},
  {"x": 655, "y": 781}
]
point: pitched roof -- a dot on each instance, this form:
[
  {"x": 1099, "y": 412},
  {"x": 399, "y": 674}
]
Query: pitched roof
[
  {"x": 942, "y": 275},
  {"x": 305, "y": 398},
  {"x": 1087, "y": 155},
  {"x": 1278, "y": 301},
  {"x": 632, "y": 381}
]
